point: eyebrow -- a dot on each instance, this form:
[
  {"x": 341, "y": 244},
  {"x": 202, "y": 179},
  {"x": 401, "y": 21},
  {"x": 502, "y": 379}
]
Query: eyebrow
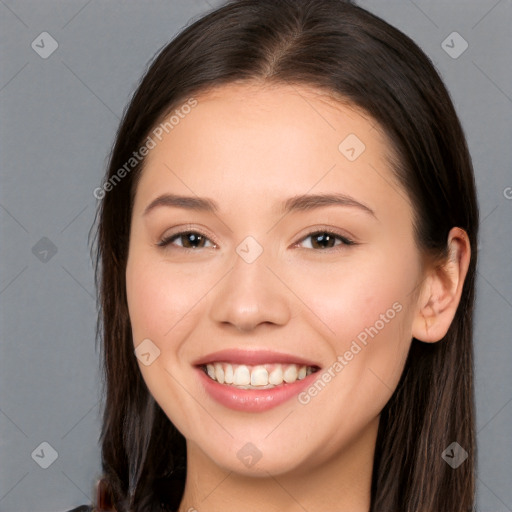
[
  {"x": 310, "y": 201},
  {"x": 187, "y": 202},
  {"x": 296, "y": 203}
]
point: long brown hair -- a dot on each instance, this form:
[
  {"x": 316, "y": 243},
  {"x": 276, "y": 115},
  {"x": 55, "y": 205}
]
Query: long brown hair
[{"x": 343, "y": 50}]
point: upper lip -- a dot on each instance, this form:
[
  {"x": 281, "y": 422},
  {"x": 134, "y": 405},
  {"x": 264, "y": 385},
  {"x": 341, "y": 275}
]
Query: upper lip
[{"x": 252, "y": 357}]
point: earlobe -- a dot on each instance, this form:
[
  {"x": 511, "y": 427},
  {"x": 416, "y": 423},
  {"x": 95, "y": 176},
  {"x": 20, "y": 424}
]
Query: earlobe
[{"x": 441, "y": 290}]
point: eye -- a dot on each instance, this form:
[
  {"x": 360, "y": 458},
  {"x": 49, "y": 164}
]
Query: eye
[
  {"x": 325, "y": 240},
  {"x": 187, "y": 240}
]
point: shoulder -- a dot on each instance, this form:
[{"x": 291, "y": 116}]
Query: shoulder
[{"x": 82, "y": 508}]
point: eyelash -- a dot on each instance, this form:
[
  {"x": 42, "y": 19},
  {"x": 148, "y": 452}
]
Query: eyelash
[{"x": 344, "y": 240}]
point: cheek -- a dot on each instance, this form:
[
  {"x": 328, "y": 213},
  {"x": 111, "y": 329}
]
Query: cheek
[
  {"x": 369, "y": 308},
  {"x": 351, "y": 295},
  {"x": 156, "y": 298},
  {"x": 364, "y": 307},
  {"x": 160, "y": 311}
]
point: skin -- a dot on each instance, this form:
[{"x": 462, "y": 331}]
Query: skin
[{"x": 249, "y": 148}]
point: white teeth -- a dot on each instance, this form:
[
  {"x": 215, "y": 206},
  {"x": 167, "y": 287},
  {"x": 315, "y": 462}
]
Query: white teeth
[
  {"x": 290, "y": 374},
  {"x": 276, "y": 376},
  {"x": 219, "y": 373},
  {"x": 242, "y": 376},
  {"x": 228, "y": 374},
  {"x": 259, "y": 376}
]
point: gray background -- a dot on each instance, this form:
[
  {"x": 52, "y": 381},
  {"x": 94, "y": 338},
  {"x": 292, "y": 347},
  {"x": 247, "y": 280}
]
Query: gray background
[{"x": 58, "y": 120}]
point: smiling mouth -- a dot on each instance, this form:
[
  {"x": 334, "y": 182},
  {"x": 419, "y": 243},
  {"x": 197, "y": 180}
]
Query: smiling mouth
[{"x": 261, "y": 376}]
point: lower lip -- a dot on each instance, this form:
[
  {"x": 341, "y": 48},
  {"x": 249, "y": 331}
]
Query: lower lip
[{"x": 252, "y": 400}]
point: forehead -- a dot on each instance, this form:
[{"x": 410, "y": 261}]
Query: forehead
[{"x": 261, "y": 140}]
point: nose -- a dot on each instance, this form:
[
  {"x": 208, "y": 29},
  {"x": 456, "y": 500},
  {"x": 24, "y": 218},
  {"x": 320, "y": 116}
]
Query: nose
[{"x": 250, "y": 295}]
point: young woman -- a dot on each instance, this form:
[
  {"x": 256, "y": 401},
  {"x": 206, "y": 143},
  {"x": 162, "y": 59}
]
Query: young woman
[{"x": 286, "y": 247}]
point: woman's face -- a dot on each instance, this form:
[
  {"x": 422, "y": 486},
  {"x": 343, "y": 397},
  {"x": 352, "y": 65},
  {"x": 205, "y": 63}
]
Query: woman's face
[{"x": 272, "y": 248}]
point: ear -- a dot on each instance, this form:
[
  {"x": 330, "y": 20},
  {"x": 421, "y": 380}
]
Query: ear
[{"x": 441, "y": 290}]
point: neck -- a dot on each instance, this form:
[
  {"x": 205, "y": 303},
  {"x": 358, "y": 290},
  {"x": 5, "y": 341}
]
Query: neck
[{"x": 343, "y": 481}]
